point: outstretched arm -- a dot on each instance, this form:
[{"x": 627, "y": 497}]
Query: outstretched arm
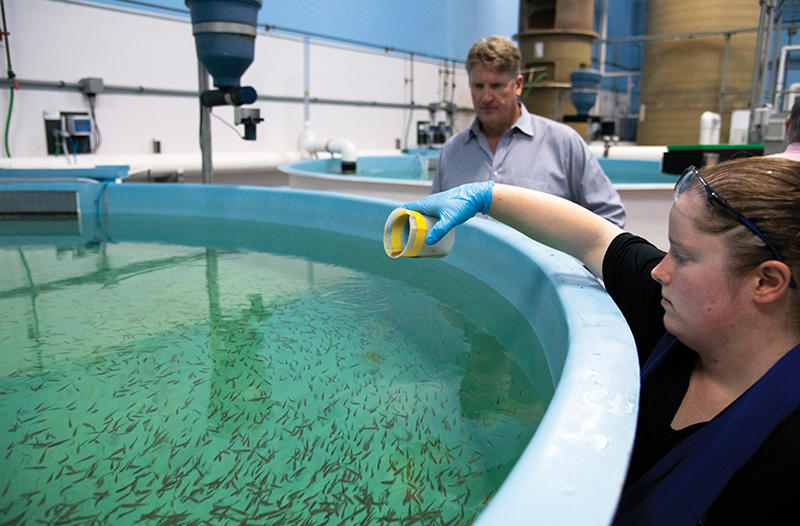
[
  {"x": 556, "y": 222},
  {"x": 546, "y": 218}
]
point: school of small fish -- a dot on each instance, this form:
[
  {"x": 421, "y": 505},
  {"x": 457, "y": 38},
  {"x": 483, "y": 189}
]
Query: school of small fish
[{"x": 275, "y": 411}]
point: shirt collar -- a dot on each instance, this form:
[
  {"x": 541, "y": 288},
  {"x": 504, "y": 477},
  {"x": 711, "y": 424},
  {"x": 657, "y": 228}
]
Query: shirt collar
[{"x": 524, "y": 123}]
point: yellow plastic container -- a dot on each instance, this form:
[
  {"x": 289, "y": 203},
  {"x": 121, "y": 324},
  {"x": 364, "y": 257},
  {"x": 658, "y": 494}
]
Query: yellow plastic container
[{"x": 404, "y": 236}]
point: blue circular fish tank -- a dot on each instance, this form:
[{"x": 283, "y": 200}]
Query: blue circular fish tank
[
  {"x": 179, "y": 352},
  {"x": 413, "y": 171}
]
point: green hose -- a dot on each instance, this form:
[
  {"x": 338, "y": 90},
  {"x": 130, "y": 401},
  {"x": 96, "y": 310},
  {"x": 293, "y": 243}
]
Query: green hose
[
  {"x": 8, "y": 119},
  {"x": 9, "y": 72}
]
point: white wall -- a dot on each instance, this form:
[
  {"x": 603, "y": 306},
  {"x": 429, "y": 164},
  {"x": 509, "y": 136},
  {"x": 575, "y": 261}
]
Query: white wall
[{"x": 53, "y": 41}]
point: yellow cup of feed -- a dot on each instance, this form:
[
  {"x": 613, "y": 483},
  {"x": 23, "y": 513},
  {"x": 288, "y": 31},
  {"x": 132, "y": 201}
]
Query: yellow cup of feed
[{"x": 404, "y": 235}]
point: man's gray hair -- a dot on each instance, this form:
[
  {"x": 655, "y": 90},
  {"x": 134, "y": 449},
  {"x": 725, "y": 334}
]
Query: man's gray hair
[{"x": 496, "y": 53}]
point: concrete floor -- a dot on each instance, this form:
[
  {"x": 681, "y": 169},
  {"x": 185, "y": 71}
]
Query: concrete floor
[{"x": 648, "y": 214}]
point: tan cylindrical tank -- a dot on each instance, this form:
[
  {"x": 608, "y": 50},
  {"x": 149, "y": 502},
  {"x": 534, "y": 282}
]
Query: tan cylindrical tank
[
  {"x": 559, "y": 51},
  {"x": 575, "y": 14},
  {"x": 682, "y": 78},
  {"x": 555, "y": 38}
]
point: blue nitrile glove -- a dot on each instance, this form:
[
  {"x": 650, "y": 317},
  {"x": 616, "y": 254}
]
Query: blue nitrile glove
[{"x": 453, "y": 207}]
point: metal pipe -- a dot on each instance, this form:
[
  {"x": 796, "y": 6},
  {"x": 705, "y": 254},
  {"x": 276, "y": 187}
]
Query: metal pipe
[
  {"x": 163, "y": 12},
  {"x": 760, "y": 58},
  {"x": 781, "y": 72},
  {"x": 205, "y": 125},
  {"x": 680, "y": 36},
  {"x": 724, "y": 75},
  {"x": 306, "y": 79},
  {"x": 603, "y": 36},
  {"x": 411, "y": 76},
  {"x": 772, "y": 49},
  {"x": 775, "y": 29},
  {"x": 360, "y": 43},
  {"x": 754, "y": 132},
  {"x": 142, "y": 90}
]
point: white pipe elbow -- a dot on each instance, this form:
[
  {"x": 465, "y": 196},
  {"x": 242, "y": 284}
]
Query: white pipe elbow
[
  {"x": 309, "y": 146},
  {"x": 344, "y": 147}
]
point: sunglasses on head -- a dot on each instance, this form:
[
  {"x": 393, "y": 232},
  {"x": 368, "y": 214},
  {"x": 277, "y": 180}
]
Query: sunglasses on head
[{"x": 686, "y": 180}]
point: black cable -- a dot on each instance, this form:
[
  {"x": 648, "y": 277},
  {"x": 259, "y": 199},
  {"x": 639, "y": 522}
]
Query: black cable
[
  {"x": 156, "y": 6},
  {"x": 11, "y": 76},
  {"x": 96, "y": 135}
]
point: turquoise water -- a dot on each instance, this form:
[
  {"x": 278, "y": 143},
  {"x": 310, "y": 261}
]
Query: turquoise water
[
  {"x": 633, "y": 171},
  {"x": 413, "y": 167},
  {"x": 255, "y": 374}
]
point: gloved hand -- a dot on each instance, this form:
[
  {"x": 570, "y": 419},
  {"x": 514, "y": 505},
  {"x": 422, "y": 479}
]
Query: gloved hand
[{"x": 453, "y": 207}]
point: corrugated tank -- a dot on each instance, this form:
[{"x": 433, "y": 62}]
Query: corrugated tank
[
  {"x": 555, "y": 38},
  {"x": 682, "y": 78}
]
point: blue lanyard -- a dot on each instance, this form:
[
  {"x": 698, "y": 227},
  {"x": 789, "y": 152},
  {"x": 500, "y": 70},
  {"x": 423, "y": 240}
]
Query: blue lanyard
[{"x": 679, "y": 489}]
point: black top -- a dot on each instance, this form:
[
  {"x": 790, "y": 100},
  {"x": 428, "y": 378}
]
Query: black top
[{"x": 766, "y": 489}]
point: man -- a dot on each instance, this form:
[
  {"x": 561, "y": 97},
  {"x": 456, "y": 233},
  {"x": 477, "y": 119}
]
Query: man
[
  {"x": 792, "y": 124},
  {"x": 509, "y": 145}
]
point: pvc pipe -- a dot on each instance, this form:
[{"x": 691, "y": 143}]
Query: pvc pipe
[
  {"x": 781, "y": 71},
  {"x": 710, "y": 124},
  {"x": 640, "y": 153},
  {"x": 344, "y": 147},
  {"x": 308, "y": 145}
]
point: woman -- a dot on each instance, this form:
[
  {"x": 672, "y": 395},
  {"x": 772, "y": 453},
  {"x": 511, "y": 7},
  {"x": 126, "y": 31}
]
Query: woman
[{"x": 717, "y": 326}]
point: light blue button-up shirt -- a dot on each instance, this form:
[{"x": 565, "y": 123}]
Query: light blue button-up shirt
[{"x": 536, "y": 153}]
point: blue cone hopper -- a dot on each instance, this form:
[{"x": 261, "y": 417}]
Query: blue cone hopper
[
  {"x": 585, "y": 85},
  {"x": 225, "y": 32}
]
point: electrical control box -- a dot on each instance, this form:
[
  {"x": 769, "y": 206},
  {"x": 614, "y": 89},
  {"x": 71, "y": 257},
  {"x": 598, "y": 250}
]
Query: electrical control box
[
  {"x": 68, "y": 132},
  {"x": 78, "y": 125}
]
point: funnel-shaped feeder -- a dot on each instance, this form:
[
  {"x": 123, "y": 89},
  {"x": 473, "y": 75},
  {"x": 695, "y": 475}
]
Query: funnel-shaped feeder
[
  {"x": 224, "y": 33},
  {"x": 585, "y": 85}
]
